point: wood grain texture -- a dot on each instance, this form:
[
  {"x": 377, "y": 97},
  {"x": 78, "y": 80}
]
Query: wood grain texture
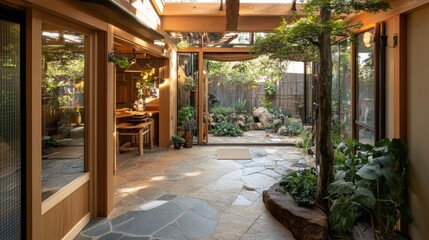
[
  {"x": 33, "y": 123},
  {"x": 58, "y": 221},
  {"x": 232, "y": 13},
  {"x": 397, "y": 7}
]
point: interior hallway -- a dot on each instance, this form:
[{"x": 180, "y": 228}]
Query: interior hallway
[{"x": 189, "y": 194}]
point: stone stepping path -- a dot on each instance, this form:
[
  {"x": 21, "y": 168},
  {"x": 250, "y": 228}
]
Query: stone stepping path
[{"x": 168, "y": 217}]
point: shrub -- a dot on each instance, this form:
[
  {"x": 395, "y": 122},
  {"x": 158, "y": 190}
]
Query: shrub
[
  {"x": 186, "y": 113},
  {"x": 301, "y": 185},
  {"x": 307, "y": 140},
  {"x": 371, "y": 182},
  {"x": 177, "y": 140},
  {"x": 277, "y": 111},
  {"x": 294, "y": 129},
  {"x": 241, "y": 106},
  {"x": 225, "y": 111},
  {"x": 227, "y": 128},
  {"x": 270, "y": 89}
]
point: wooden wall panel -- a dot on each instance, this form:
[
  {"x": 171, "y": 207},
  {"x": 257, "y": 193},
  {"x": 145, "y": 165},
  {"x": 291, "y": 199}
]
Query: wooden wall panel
[{"x": 58, "y": 221}]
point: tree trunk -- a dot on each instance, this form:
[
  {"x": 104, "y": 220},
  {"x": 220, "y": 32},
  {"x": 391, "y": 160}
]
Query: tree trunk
[{"x": 324, "y": 85}]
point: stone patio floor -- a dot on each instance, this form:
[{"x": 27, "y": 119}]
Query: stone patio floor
[{"x": 189, "y": 194}]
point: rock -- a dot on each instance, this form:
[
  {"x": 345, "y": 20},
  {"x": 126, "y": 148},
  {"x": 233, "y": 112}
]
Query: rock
[
  {"x": 211, "y": 118},
  {"x": 281, "y": 130},
  {"x": 241, "y": 117},
  {"x": 263, "y": 116},
  {"x": 277, "y": 123},
  {"x": 258, "y": 126},
  {"x": 304, "y": 223},
  {"x": 241, "y": 124},
  {"x": 233, "y": 117},
  {"x": 286, "y": 121},
  {"x": 78, "y": 132}
]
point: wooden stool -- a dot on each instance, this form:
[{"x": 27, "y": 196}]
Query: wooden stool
[{"x": 135, "y": 131}]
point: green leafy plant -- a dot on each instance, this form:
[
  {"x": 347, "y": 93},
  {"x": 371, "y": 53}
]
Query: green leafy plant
[
  {"x": 307, "y": 140},
  {"x": 177, "y": 141},
  {"x": 186, "y": 113},
  {"x": 294, "y": 129},
  {"x": 189, "y": 83},
  {"x": 241, "y": 106},
  {"x": 373, "y": 183},
  {"x": 227, "y": 128},
  {"x": 277, "y": 111},
  {"x": 270, "y": 89},
  {"x": 301, "y": 185},
  {"x": 225, "y": 111}
]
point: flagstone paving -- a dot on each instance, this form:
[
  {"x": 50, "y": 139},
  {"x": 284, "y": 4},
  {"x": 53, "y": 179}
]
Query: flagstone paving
[{"x": 189, "y": 194}]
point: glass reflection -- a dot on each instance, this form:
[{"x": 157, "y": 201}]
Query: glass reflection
[{"x": 63, "y": 111}]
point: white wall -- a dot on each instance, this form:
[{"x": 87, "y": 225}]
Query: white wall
[{"x": 418, "y": 120}]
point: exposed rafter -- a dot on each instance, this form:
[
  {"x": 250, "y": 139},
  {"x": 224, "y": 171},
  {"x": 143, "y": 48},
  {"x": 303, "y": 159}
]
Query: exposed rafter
[{"x": 232, "y": 13}]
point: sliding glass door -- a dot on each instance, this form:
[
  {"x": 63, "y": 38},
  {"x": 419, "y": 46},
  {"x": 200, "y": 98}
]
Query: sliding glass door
[{"x": 11, "y": 129}]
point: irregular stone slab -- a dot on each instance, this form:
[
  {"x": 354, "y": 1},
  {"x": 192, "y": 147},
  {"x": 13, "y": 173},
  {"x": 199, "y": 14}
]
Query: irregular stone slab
[
  {"x": 195, "y": 226},
  {"x": 111, "y": 236},
  {"x": 242, "y": 201},
  {"x": 172, "y": 231},
  {"x": 98, "y": 230},
  {"x": 258, "y": 181},
  {"x": 304, "y": 223}
]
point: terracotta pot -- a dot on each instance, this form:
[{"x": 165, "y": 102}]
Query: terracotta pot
[{"x": 188, "y": 139}]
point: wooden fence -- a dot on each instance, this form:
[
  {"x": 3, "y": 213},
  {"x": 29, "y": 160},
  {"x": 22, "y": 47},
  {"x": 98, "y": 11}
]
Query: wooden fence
[{"x": 290, "y": 94}]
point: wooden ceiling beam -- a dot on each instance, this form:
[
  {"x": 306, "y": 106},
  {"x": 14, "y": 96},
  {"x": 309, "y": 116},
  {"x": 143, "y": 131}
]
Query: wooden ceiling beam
[
  {"x": 232, "y": 13},
  {"x": 212, "y": 9},
  {"x": 218, "y": 23}
]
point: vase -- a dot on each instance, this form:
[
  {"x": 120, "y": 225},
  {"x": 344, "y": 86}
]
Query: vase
[{"x": 189, "y": 137}]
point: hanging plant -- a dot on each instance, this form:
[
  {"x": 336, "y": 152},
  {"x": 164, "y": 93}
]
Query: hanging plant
[{"x": 119, "y": 61}]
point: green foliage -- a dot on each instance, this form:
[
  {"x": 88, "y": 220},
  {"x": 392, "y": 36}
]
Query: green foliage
[
  {"x": 189, "y": 83},
  {"x": 177, "y": 140},
  {"x": 227, "y": 128},
  {"x": 121, "y": 62},
  {"x": 294, "y": 129},
  {"x": 246, "y": 73},
  {"x": 225, "y": 111},
  {"x": 373, "y": 182},
  {"x": 270, "y": 89},
  {"x": 307, "y": 140},
  {"x": 241, "y": 106},
  {"x": 186, "y": 113},
  {"x": 277, "y": 111},
  {"x": 183, "y": 44},
  {"x": 301, "y": 185}
]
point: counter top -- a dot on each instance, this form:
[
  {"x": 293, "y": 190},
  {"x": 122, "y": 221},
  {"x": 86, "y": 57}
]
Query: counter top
[{"x": 124, "y": 114}]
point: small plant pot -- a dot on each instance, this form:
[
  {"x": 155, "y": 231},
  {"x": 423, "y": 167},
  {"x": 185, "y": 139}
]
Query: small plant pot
[{"x": 177, "y": 146}]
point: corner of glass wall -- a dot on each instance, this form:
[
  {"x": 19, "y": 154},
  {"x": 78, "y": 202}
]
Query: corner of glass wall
[{"x": 63, "y": 108}]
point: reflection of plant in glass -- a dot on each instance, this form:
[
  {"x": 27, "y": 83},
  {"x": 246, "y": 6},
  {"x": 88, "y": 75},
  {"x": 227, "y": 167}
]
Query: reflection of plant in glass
[
  {"x": 189, "y": 83},
  {"x": 144, "y": 82},
  {"x": 60, "y": 78}
]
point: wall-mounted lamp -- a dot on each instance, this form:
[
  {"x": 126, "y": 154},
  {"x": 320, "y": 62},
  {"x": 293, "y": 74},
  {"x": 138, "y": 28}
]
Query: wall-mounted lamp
[
  {"x": 368, "y": 39},
  {"x": 384, "y": 41}
]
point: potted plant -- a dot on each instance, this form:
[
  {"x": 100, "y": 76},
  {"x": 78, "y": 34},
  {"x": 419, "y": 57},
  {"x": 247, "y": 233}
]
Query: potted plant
[
  {"x": 177, "y": 141},
  {"x": 189, "y": 125}
]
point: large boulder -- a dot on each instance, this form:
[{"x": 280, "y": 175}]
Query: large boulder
[
  {"x": 258, "y": 126},
  {"x": 304, "y": 223},
  {"x": 263, "y": 116},
  {"x": 277, "y": 123},
  {"x": 233, "y": 117},
  {"x": 241, "y": 117},
  {"x": 282, "y": 130}
]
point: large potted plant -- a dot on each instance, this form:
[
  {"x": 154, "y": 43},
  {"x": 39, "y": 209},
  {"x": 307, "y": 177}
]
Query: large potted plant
[{"x": 189, "y": 125}]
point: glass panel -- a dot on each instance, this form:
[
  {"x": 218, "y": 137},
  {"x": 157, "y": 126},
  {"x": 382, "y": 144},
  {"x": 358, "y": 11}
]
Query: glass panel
[
  {"x": 309, "y": 93},
  {"x": 365, "y": 135},
  {"x": 187, "y": 92},
  {"x": 63, "y": 107},
  {"x": 10, "y": 131},
  {"x": 335, "y": 120},
  {"x": 344, "y": 90},
  {"x": 365, "y": 78}
]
